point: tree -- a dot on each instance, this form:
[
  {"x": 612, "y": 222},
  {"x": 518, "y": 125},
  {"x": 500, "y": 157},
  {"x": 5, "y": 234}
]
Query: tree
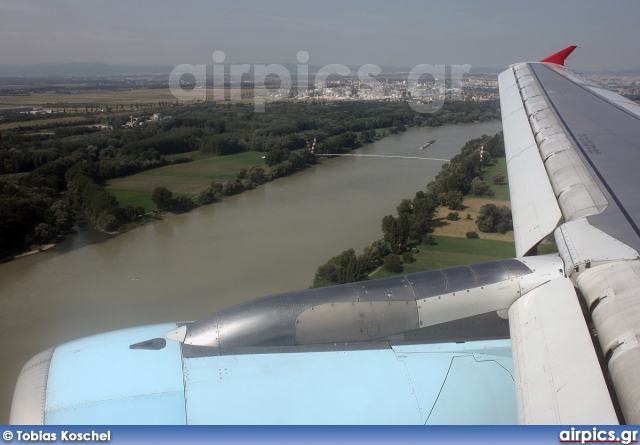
[
  {"x": 480, "y": 188},
  {"x": 257, "y": 175},
  {"x": 62, "y": 216},
  {"x": 43, "y": 233},
  {"x": 242, "y": 174},
  {"x": 392, "y": 263},
  {"x": 216, "y": 187},
  {"x": 162, "y": 197},
  {"x": 498, "y": 178},
  {"x": 452, "y": 199},
  {"x": 275, "y": 157},
  {"x": 207, "y": 196},
  {"x": 373, "y": 255},
  {"x": 492, "y": 218},
  {"x": 340, "y": 269},
  {"x": 405, "y": 207},
  {"x": 424, "y": 208},
  {"x": 395, "y": 235},
  {"x": 182, "y": 204},
  {"x": 387, "y": 223}
]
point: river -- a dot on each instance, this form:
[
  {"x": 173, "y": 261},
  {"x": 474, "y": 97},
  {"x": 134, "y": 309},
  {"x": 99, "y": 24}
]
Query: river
[{"x": 264, "y": 241}]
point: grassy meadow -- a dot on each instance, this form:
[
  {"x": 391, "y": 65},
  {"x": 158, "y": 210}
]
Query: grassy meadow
[
  {"x": 451, "y": 251},
  {"x": 452, "y": 247},
  {"x": 186, "y": 179}
]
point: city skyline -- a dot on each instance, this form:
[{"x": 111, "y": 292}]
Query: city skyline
[{"x": 404, "y": 34}]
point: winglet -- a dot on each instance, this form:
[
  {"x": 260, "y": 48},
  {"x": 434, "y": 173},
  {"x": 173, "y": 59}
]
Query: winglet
[{"x": 560, "y": 56}]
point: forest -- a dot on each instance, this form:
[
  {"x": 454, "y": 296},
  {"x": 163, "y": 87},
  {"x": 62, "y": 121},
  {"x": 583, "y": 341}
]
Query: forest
[
  {"x": 414, "y": 220},
  {"x": 50, "y": 170}
]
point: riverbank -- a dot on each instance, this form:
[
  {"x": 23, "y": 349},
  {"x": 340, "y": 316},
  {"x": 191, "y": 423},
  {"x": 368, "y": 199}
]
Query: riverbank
[
  {"x": 262, "y": 242},
  {"x": 191, "y": 179},
  {"x": 31, "y": 251}
]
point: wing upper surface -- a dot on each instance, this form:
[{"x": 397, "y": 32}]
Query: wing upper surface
[{"x": 588, "y": 141}]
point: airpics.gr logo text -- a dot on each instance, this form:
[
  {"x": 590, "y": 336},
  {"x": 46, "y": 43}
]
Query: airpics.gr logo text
[
  {"x": 424, "y": 98},
  {"x": 596, "y": 435}
]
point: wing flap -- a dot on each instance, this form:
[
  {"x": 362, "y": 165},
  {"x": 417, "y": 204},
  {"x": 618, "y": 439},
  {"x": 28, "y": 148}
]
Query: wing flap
[
  {"x": 558, "y": 377},
  {"x": 533, "y": 203}
]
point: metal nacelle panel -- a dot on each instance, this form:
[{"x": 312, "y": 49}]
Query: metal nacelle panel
[
  {"x": 491, "y": 272},
  {"x": 268, "y": 326},
  {"x": 343, "y": 293},
  {"x": 454, "y": 279},
  {"x": 203, "y": 332},
  {"x": 355, "y": 321},
  {"x": 428, "y": 284},
  {"x": 396, "y": 289},
  {"x": 467, "y": 303},
  {"x": 557, "y": 374},
  {"x": 264, "y": 321},
  {"x": 534, "y": 207},
  {"x": 545, "y": 268}
]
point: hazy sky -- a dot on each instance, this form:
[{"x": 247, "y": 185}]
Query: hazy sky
[{"x": 491, "y": 33}]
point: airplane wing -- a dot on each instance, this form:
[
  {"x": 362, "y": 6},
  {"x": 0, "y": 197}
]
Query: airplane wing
[
  {"x": 498, "y": 342},
  {"x": 573, "y": 150}
]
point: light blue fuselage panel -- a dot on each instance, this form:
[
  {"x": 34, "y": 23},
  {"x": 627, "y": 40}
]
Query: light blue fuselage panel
[
  {"x": 467, "y": 383},
  {"x": 101, "y": 380}
]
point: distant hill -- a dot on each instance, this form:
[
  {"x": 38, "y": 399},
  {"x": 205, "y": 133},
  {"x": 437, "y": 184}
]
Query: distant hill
[
  {"x": 75, "y": 69},
  {"x": 95, "y": 69},
  {"x": 613, "y": 72}
]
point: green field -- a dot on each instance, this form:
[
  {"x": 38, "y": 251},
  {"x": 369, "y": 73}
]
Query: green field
[
  {"x": 187, "y": 179},
  {"x": 450, "y": 251},
  {"x": 501, "y": 192},
  {"x": 113, "y": 97},
  {"x": 214, "y": 168},
  {"x": 61, "y": 120},
  {"x": 134, "y": 198}
]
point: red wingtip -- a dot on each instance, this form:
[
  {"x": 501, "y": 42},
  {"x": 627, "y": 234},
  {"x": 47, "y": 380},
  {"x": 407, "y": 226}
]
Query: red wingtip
[{"x": 560, "y": 56}]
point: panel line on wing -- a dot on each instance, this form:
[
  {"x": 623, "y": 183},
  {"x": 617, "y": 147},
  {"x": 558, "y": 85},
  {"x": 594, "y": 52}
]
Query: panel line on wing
[{"x": 440, "y": 391}]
